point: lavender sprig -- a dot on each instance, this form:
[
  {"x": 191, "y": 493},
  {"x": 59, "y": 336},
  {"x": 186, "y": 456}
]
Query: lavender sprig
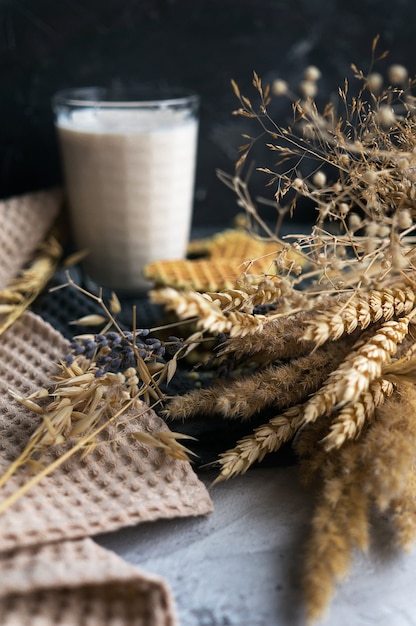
[{"x": 115, "y": 352}]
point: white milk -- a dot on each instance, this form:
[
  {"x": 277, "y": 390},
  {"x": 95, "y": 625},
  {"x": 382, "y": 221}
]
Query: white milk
[{"x": 130, "y": 181}]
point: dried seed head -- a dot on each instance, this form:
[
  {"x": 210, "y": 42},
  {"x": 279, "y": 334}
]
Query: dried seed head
[
  {"x": 398, "y": 258},
  {"x": 402, "y": 163},
  {"x": 279, "y": 87},
  {"x": 343, "y": 209},
  {"x": 319, "y": 179},
  {"x": 370, "y": 177},
  {"x": 397, "y": 74},
  {"x": 312, "y": 73},
  {"x": 384, "y": 230},
  {"x": 371, "y": 229},
  {"x": 297, "y": 183},
  {"x": 375, "y": 82},
  {"x": 404, "y": 219},
  {"x": 344, "y": 160},
  {"x": 308, "y": 88},
  {"x": 386, "y": 116},
  {"x": 354, "y": 222}
]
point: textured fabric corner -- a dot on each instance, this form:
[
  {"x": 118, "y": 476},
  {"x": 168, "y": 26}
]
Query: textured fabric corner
[
  {"x": 77, "y": 582},
  {"x": 112, "y": 487},
  {"x": 25, "y": 221}
]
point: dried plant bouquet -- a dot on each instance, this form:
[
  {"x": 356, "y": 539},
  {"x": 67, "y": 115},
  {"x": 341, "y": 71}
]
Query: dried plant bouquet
[{"x": 328, "y": 342}]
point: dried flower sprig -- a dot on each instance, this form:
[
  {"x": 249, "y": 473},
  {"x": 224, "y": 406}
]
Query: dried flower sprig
[{"x": 360, "y": 179}]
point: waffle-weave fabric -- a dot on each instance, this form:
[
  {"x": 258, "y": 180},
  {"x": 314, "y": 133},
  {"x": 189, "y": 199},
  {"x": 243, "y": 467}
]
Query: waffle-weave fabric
[{"x": 51, "y": 571}]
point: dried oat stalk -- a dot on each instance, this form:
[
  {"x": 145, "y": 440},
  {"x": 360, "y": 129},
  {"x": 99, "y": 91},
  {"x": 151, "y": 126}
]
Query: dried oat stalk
[{"x": 25, "y": 288}]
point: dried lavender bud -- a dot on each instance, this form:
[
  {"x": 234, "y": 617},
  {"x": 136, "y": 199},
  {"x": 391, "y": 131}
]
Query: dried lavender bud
[
  {"x": 69, "y": 359},
  {"x": 140, "y": 332},
  {"x": 114, "y": 352},
  {"x": 101, "y": 340},
  {"x": 90, "y": 348},
  {"x": 173, "y": 345}
]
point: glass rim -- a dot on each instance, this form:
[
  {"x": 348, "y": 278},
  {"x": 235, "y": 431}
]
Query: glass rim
[{"x": 125, "y": 97}]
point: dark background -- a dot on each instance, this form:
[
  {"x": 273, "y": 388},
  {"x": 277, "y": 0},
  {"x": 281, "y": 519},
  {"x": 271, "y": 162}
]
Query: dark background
[{"x": 47, "y": 45}]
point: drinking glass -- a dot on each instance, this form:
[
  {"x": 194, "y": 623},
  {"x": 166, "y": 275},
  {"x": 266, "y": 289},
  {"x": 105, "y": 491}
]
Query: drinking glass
[{"x": 129, "y": 164}]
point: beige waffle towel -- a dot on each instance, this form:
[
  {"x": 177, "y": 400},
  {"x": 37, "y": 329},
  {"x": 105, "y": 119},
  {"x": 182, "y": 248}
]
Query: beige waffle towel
[
  {"x": 24, "y": 223},
  {"x": 109, "y": 489},
  {"x": 77, "y": 582},
  {"x": 50, "y": 572}
]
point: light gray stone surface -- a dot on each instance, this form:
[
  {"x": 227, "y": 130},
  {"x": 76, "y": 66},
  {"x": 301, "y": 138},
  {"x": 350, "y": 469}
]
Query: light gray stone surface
[{"x": 241, "y": 565}]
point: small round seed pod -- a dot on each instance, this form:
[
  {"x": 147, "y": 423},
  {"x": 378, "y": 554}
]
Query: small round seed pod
[
  {"x": 375, "y": 82},
  {"x": 319, "y": 179},
  {"x": 370, "y": 177},
  {"x": 397, "y": 74},
  {"x": 279, "y": 87},
  {"x": 308, "y": 88},
  {"x": 404, "y": 219},
  {"x": 312, "y": 73},
  {"x": 386, "y": 116}
]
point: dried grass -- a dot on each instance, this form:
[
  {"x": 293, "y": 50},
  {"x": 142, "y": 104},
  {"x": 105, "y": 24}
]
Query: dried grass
[
  {"x": 22, "y": 291},
  {"x": 352, "y": 425}
]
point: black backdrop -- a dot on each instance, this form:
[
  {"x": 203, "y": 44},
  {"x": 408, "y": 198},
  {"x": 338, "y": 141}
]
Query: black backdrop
[{"x": 47, "y": 45}]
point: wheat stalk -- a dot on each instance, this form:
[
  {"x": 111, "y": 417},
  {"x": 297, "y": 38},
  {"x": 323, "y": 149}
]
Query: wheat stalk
[
  {"x": 362, "y": 366},
  {"x": 350, "y": 420},
  {"x": 360, "y": 311},
  {"x": 206, "y": 313},
  {"x": 265, "y": 439}
]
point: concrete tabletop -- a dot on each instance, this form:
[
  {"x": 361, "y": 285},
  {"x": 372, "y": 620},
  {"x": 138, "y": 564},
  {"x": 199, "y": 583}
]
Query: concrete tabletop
[{"x": 241, "y": 565}]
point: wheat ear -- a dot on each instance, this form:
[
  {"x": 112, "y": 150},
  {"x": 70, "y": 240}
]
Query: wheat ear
[
  {"x": 350, "y": 420},
  {"x": 265, "y": 439},
  {"x": 355, "y": 374},
  {"x": 207, "y": 314},
  {"x": 265, "y": 291},
  {"x": 359, "y": 312}
]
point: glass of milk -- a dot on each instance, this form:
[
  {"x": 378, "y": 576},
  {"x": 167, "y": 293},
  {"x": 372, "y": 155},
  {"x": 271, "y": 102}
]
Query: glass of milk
[{"x": 129, "y": 167}]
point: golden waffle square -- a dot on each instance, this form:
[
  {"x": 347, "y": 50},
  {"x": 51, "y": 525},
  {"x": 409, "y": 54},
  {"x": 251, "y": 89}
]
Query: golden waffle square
[
  {"x": 239, "y": 244},
  {"x": 205, "y": 274},
  {"x": 227, "y": 256}
]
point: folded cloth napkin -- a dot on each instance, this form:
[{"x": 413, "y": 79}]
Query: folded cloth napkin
[
  {"x": 77, "y": 582},
  {"x": 24, "y": 223},
  {"x": 50, "y": 572}
]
